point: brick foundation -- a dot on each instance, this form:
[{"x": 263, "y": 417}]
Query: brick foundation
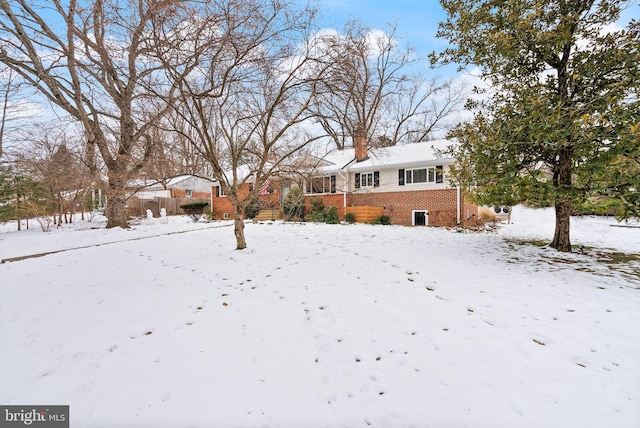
[{"x": 440, "y": 204}]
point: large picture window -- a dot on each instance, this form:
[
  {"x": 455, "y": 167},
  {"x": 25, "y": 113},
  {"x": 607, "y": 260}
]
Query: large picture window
[
  {"x": 422, "y": 175},
  {"x": 321, "y": 185}
]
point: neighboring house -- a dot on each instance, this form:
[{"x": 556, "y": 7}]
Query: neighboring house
[
  {"x": 184, "y": 186},
  {"x": 170, "y": 194},
  {"x": 408, "y": 183}
]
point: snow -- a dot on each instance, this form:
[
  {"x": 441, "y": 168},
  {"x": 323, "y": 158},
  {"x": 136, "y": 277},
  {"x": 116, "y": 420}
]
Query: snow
[
  {"x": 324, "y": 325},
  {"x": 404, "y": 155}
]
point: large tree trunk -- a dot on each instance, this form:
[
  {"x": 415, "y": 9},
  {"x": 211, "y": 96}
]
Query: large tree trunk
[
  {"x": 562, "y": 182},
  {"x": 116, "y": 208},
  {"x": 241, "y": 243}
]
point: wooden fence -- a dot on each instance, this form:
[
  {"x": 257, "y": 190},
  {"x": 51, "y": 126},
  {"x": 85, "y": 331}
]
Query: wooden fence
[
  {"x": 139, "y": 207},
  {"x": 364, "y": 213}
]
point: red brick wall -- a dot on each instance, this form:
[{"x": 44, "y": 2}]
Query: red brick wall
[
  {"x": 221, "y": 204},
  {"x": 336, "y": 200},
  {"x": 182, "y": 193},
  {"x": 440, "y": 204}
]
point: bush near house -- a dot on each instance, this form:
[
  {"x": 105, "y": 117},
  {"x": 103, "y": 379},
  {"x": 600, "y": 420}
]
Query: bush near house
[
  {"x": 317, "y": 213},
  {"x": 383, "y": 219},
  {"x": 331, "y": 216},
  {"x": 350, "y": 218},
  {"x": 293, "y": 204},
  {"x": 194, "y": 209},
  {"x": 252, "y": 210}
]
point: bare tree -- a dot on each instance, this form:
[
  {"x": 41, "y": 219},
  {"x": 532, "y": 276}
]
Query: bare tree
[
  {"x": 371, "y": 89},
  {"x": 173, "y": 154},
  {"x": 14, "y": 108},
  {"x": 247, "y": 78},
  {"x": 45, "y": 153},
  {"x": 91, "y": 59}
]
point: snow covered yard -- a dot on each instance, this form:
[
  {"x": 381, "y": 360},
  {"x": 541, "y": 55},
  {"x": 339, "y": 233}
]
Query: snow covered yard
[{"x": 325, "y": 326}]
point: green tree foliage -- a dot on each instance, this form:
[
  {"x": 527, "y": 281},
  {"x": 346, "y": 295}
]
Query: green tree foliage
[{"x": 562, "y": 121}]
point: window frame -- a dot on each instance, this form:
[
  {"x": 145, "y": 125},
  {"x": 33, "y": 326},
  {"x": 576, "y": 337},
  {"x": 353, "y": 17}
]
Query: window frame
[
  {"x": 362, "y": 180},
  {"x": 328, "y": 185},
  {"x": 432, "y": 175}
]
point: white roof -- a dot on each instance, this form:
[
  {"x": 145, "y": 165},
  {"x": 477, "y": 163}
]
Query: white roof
[{"x": 405, "y": 155}]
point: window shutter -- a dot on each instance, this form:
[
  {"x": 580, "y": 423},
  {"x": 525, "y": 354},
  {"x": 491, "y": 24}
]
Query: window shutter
[
  {"x": 357, "y": 180},
  {"x": 439, "y": 173},
  {"x": 376, "y": 179},
  {"x": 217, "y": 191},
  {"x": 333, "y": 184},
  {"x": 401, "y": 177}
]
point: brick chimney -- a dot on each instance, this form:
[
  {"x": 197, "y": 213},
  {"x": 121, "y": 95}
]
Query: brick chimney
[{"x": 360, "y": 144}]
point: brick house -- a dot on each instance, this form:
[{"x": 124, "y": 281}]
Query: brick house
[
  {"x": 170, "y": 194},
  {"x": 184, "y": 186},
  {"x": 406, "y": 182}
]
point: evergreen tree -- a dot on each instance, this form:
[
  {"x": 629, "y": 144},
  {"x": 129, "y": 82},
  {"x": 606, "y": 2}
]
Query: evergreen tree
[{"x": 562, "y": 123}]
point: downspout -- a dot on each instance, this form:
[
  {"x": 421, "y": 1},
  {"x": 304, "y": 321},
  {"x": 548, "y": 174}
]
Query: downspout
[
  {"x": 458, "y": 203},
  {"x": 212, "y": 191},
  {"x": 345, "y": 189}
]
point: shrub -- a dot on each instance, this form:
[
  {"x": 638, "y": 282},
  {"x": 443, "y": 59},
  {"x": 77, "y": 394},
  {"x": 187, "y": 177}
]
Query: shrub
[
  {"x": 209, "y": 215},
  {"x": 383, "y": 219},
  {"x": 317, "y": 213},
  {"x": 350, "y": 218},
  {"x": 293, "y": 204},
  {"x": 194, "y": 209},
  {"x": 317, "y": 205},
  {"x": 315, "y": 216},
  {"x": 252, "y": 210},
  {"x": 331, "y": 216}
]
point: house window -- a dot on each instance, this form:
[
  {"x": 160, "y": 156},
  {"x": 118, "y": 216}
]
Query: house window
[
  {"x": 422, "y": 175},
  {"x": 321, "y": 185},
  {"x": 420, "y": 217},
  {"x": 367, "y": 179},
  {"x": 220, "y": 192},
  {"x": 188, "y": 193}
]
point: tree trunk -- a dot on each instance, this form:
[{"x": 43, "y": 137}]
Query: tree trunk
[
  {"x": 561, "y": 241},
  {"x": 241, "y": 243},
  {"x": 116, "y": 209},
  {"x": 563, "y": 183}
]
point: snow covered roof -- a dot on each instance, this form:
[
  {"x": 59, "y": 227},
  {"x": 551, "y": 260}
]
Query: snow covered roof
[
  {"x": 157, "y": 185},
  {"x": 335, "y": 160},
  {"x": 405, "y": 155}
]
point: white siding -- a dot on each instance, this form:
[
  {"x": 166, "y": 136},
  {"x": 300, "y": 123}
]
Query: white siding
[{"x": 389, "y": 182}]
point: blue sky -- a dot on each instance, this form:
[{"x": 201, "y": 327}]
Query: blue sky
[{"x": 416, "y": 20}]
